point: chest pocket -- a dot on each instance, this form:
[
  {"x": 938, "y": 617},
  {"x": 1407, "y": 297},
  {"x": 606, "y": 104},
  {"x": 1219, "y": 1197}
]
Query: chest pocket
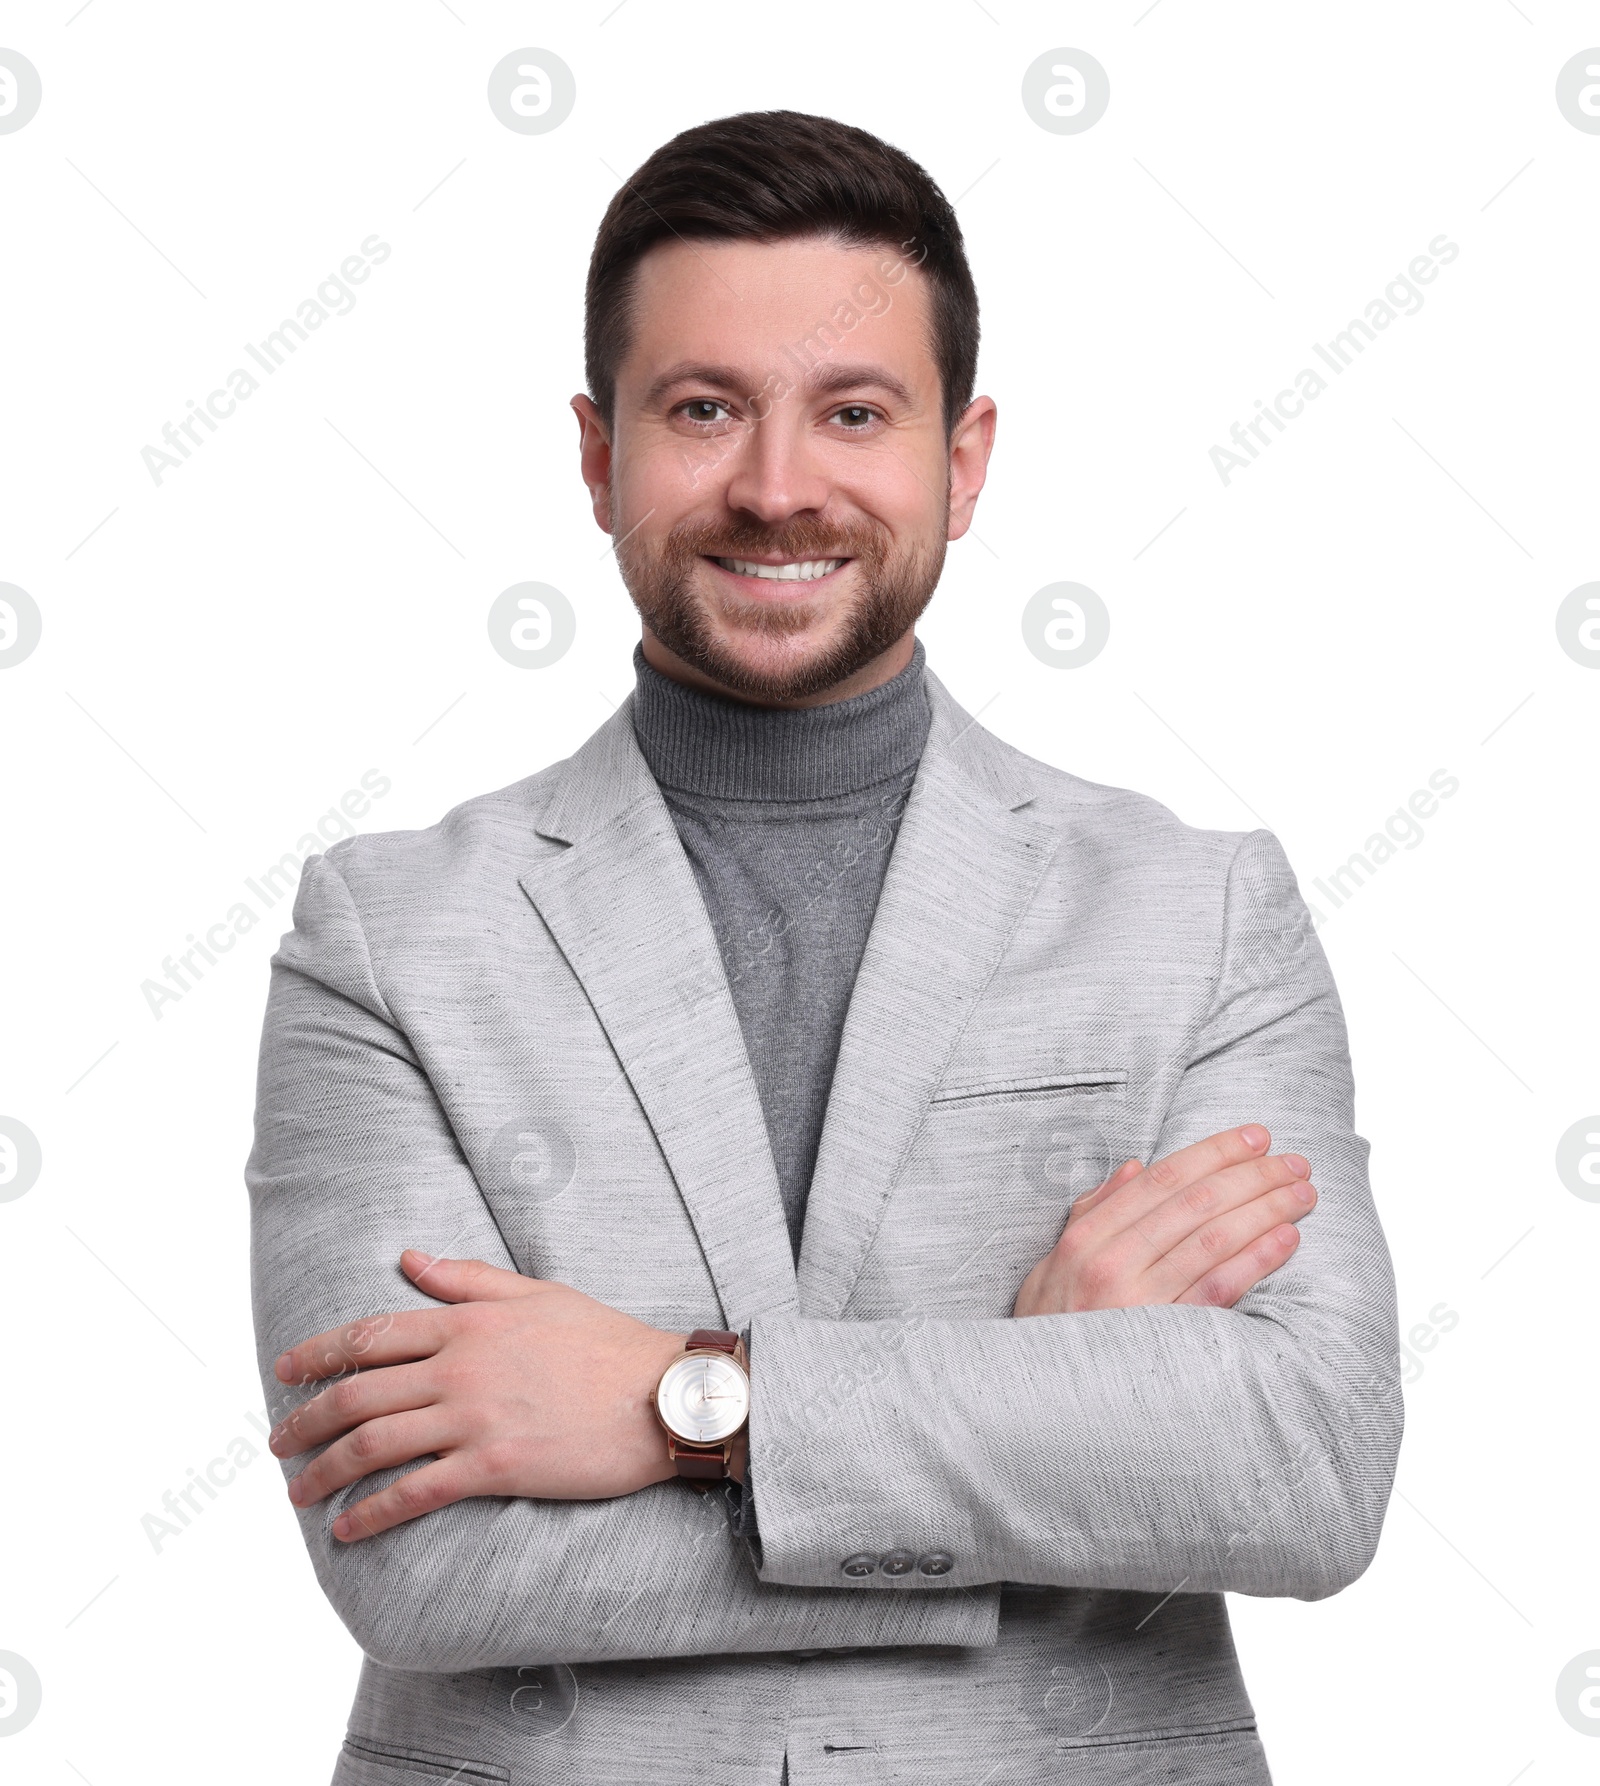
[
  {"x": 1005, "y": 1147},
  {"x": 1031, "y": 1086},
  {"x": 1038, "y": 1135}
]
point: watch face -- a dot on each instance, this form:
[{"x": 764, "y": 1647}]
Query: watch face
[{"x": 704, "y": 1397}]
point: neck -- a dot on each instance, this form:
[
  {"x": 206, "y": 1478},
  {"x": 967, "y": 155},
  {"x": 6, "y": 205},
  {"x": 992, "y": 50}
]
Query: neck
[{"x": 883, "y": 668}]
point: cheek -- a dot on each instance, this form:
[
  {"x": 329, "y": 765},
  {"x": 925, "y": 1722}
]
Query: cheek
[
  {"x": 903, "y": 495},
  {"x": 674, "y": 474}
]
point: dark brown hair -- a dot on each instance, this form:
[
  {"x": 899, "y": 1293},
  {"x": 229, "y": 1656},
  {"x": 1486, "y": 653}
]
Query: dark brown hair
[{"x": 765, "y": 177}]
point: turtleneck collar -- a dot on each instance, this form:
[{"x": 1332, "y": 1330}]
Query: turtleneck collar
[{"x": 700, "y": 743}]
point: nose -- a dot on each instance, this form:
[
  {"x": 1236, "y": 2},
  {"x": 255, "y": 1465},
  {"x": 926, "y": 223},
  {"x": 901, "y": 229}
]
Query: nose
[{"x": 776, "y": 472}]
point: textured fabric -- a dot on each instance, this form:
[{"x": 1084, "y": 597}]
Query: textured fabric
[
  {"x": 788, "y": 818},
  {"x": 510, "y": 1035},
  {"x": 700, "y": 743}
]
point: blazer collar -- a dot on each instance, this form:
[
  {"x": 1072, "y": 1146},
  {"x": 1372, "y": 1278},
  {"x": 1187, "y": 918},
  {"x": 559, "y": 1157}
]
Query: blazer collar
[{"x": 622, "y": 903}]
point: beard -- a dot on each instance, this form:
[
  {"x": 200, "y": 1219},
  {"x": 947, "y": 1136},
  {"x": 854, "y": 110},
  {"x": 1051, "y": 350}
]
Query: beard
[{"x": 705, "y": 630}]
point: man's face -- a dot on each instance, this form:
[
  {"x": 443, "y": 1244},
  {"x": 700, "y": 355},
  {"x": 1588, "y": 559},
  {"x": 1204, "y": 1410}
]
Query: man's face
[{"x": 778, "y": 480}]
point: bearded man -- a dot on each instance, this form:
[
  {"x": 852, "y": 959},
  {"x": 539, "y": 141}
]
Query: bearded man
[{"x": 778, "y": 1239}]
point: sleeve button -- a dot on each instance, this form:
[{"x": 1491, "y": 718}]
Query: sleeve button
[
  {"x": 897, "y": 1562},
  {"x": 935, "y": 1562},
  {"x": 864, "y": 1562}
]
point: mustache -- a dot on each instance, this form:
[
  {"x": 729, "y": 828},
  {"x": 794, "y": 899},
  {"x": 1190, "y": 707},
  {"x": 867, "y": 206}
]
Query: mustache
[{"x": 799, "y": 540}]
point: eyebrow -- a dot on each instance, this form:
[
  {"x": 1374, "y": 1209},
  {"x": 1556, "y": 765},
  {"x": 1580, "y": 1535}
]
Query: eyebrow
[{"x": 820, "y": 381}]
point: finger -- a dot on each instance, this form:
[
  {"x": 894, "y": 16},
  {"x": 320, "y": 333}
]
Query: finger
[
  {"x": 1223, "y": 1287},
  {"x": 1214, "y": 1242},
  {"x": 1162, "y": 1178},
  {"x": 377, "y": 1445},
  {"x": 1127, "y": 1170},
  {"x": 364, "y": 1396},
  {"x": 1189, "y": 1211},
  {"x": 423, "y": 1491},
  {"x": 379, "y": 1339},
  {"x": 464, "y": 1280}
]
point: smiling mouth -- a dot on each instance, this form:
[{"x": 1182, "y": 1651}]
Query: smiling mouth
[{"x": 795, "y": 570}]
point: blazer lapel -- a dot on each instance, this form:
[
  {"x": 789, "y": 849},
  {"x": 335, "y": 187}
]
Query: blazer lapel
[
  {"x": 963, "y": 869},
  {"x": 622, "y": 903}
]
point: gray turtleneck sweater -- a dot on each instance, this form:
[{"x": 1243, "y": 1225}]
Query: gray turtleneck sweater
[{"x": 787, "y": 817}]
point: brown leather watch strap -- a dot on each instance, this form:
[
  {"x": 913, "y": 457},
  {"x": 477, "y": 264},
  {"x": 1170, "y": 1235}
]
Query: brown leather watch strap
[{"x": 704, "y": 1464}]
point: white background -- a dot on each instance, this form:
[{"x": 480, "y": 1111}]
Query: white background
[{"x": 225, "y": 653}]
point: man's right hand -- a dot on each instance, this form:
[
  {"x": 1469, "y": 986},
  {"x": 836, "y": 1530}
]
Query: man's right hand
[{"x": 1203, "y": 1225}]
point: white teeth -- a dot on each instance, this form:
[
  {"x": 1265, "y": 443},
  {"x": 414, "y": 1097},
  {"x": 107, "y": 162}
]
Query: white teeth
[{"x": 805, "y": 570}]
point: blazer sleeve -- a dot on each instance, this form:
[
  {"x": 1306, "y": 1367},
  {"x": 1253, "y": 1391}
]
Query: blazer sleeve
[
  {"x": 1248, "y": 1449},
  {"x": 353, "y": 1156}
]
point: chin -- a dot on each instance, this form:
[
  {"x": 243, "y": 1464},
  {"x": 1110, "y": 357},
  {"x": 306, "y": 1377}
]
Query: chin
[{"x": 783, "y": 668}]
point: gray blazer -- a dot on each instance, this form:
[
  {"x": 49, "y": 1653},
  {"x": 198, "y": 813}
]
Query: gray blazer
[{"x": 990, "y": 1549}]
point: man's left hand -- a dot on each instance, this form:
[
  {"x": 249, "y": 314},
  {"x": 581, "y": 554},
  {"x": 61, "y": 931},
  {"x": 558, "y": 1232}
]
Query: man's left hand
[{"x": 525, "y": 1387}]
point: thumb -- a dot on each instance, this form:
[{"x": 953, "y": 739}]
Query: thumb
[{"x": 463, "y": 1280}]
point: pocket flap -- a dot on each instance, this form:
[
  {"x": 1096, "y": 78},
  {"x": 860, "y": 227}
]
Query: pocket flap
[{"x": 1033, "y": 1085}]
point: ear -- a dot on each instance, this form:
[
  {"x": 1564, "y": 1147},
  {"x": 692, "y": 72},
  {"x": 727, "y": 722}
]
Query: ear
[
  {"x": 594, "y": 458},
  {"x": 970, "y": 447}
]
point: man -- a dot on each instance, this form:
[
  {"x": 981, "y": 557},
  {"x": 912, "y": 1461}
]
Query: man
[{"x": 796, "y": 1023}]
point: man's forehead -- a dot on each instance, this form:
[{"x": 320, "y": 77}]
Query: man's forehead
[{"x": 733, "y": 306}]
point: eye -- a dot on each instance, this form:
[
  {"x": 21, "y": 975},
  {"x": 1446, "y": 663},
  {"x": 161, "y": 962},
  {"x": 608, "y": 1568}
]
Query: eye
[
  {"x": 858, "y": 417},
  {"x": 691, "y": 411}
]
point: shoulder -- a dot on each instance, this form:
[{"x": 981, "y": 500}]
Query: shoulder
[
  {"x": 1103, "y": 822},
  {"x": 389, "y": 884}
]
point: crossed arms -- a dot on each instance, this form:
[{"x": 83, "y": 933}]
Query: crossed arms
[{"x": 1194, "y": 1401}]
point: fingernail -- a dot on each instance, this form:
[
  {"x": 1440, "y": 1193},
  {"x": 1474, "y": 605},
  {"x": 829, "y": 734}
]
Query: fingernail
[
  {"x": 275, "y": 1438},
  {"x": 1298, "y": 1164},
  {"x": 416, "y": 1252},
  {"x": 281, "y": 1368},
  {"x": 341, "y": 1526},
  {"x": 1253, "y": 1135},
  {"x": 296, "y": 1492},
  {"x": 1305, "y": 1193}
]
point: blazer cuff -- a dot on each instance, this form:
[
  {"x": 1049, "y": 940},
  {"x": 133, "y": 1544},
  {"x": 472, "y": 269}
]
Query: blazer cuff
[{"x": 739, "y": 1497}]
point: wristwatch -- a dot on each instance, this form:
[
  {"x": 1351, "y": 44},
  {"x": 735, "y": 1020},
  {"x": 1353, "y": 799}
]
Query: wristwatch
[{"x": 703, "y": 1402}]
